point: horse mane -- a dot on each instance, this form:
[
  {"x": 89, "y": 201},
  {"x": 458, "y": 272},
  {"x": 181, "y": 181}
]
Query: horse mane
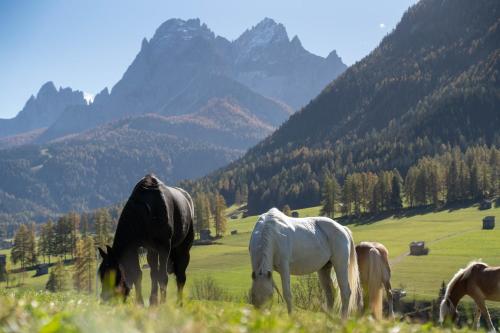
[
  {"x": 266, "y": 233},
  {"x": 463, "y": 273},
  {"x": 274, "y": 213}
]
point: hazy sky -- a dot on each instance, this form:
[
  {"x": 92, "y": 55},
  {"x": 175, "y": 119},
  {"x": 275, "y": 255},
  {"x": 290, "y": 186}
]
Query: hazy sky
[{"x": 88, "y": 44}]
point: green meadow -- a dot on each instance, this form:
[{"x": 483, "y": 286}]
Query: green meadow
[{"x": 454, "y": 238}]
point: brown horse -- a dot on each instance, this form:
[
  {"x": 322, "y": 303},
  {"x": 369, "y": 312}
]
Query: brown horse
[
  {"x": 478, "y": 280},
  {"x": 160, "y": 219},
  {"x": 375, "y": 275}
]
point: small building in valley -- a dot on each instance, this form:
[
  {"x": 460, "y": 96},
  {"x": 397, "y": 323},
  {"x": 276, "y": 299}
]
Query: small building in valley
[
  {"x": 3, "y": 267},
  {"x": 42, "y": 269},
  {"x": 485, "y": 204},
  {"x": 489, "y": 223},
  {"x": 205, "y": 235},
  {"x": 295, "y": 214},
  {"x": 418, "y": 249}
]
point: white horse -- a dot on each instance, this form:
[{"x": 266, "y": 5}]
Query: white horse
[{"x": 301, "y": 246}]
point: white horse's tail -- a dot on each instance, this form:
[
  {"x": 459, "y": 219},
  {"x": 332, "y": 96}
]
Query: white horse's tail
[
  {"x": 377, "y": 273},
  {"x": 353, "y": 271}
]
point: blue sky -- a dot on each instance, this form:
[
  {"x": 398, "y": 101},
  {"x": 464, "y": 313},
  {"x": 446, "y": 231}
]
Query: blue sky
[{"x": 88, "y": 44}]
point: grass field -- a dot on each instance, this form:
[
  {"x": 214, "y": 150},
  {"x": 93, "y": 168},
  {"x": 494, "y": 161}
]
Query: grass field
[
  {"x": 454, "y": 238},
  {"x": 70, "y": 313}
]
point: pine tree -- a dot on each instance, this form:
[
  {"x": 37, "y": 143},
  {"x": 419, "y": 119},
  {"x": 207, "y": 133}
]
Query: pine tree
[
  {"x": 396, "y": 202},
  {"x": 198, "y": 213},
  {"x": 79, "y": 269},
  {"x": 20, "y": 248},
  {"x": 347, "y": 198},
  {"x": 31, "y": 252},
  {"x": 103, "y": 226},
  {"x": 83, "y": 275},
  {"x": 220, "y": 215},
  {"x": 452, "y": 182},
  {"x": 330, "y": 196},
  {"x": 74, "y": 224},
  {"x": 206, "y": 212},
  {"x": 58, "y": 279},
  {"x": 475, "y": 181}
]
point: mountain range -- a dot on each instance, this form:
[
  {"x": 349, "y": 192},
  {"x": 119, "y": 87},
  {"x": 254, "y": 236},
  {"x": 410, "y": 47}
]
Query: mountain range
[
  {"x": 431, "y": 84},
  {"x": 196, "y": 100}
]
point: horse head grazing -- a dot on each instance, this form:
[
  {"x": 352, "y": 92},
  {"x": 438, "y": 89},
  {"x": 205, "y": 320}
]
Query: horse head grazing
[
  {"x": 112, "y": 277},
  {"x": 447, "y": 310},
  {"x": 262, "y": 288}
]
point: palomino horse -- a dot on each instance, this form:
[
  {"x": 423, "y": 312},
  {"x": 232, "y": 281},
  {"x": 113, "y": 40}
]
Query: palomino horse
[
  {"x": 375, "y": 274},
  {"x": 479, "y": 281},
  {"x": 301, "y": 246},
  {"x": 159, "y": 218}
]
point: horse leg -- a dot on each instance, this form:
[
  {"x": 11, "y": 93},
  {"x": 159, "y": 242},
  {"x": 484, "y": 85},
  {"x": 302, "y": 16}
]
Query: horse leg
[
  {"x": 180, "y": 258},
  {"x": 152, "y": 258},
  {"x": 326, "y": 282},
  {"x": 484, "y": 311},
  {"x": 390, "y": 299},
  {"x": 133, "y": 273},
  {"x": 285, "y": 285},
  {"x": 340, "y": 263},
  {"x": 138, "y": 288},
  {"x": 477, "y": 318},
  {"x": 163, "y": 274}
]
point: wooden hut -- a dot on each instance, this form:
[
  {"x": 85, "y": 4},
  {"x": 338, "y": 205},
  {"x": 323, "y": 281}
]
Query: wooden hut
[
  {"x": 42, "y": 269},
  {"x": 489, "y": 223},
  {"x": 234, "y": 232},
  {"x": 205, "y": 234},
  {"x": 418, "y": 249}
]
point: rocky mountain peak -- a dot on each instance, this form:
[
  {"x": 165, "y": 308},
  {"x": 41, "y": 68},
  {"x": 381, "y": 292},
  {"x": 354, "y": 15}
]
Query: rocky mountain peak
[
  {"x": 47, "y": 89},
  {"x": 264, "y": 33},
  {"x": 175, "y": 29}
]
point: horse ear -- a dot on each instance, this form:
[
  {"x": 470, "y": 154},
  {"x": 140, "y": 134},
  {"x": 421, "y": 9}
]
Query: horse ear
[
  {"x": 268, "y": 274},
  {"x": 253, "y": 275},
  {"x": 110, "y": 250},
  {"x": 102, "y": 253}
]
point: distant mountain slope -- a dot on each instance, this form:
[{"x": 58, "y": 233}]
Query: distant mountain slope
[
  {"x": 41, "y": 111},
  {"x": 185, "y": 64},
  {"x": 431, "y": 83},
  {"x": 190, "y": 102},
  {"x": 99, "y": 167}
]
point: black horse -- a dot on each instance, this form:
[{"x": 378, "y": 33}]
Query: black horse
[{"x": 160, "y": 219}]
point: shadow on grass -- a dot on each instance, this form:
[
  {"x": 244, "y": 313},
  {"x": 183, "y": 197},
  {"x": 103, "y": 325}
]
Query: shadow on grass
[{"x": 366, "y": 219}]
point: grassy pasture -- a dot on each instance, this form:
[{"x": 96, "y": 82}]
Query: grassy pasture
[
  {"x": 454, "y": 238},
  {"x": 68, "y": 312}
]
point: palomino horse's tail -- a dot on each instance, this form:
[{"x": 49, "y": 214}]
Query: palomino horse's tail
[
  {"x": 354, "y": 281},
  {"x": 378, "y": 272}
]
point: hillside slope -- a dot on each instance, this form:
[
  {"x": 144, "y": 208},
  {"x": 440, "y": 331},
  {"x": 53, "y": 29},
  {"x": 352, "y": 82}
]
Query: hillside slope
[{"x": 430, "y": 84}]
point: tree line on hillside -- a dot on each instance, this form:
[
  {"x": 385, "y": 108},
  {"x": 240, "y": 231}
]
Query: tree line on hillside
[
  {"x": 210, "y": 213},
  {"x": 299, "y": 179},
  {"x": 72, "y": 237},
  {"x": 444, "y": 179}
]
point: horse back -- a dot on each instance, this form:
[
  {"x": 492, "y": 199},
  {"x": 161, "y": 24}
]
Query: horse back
[{"x": 180, "y": 212}]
